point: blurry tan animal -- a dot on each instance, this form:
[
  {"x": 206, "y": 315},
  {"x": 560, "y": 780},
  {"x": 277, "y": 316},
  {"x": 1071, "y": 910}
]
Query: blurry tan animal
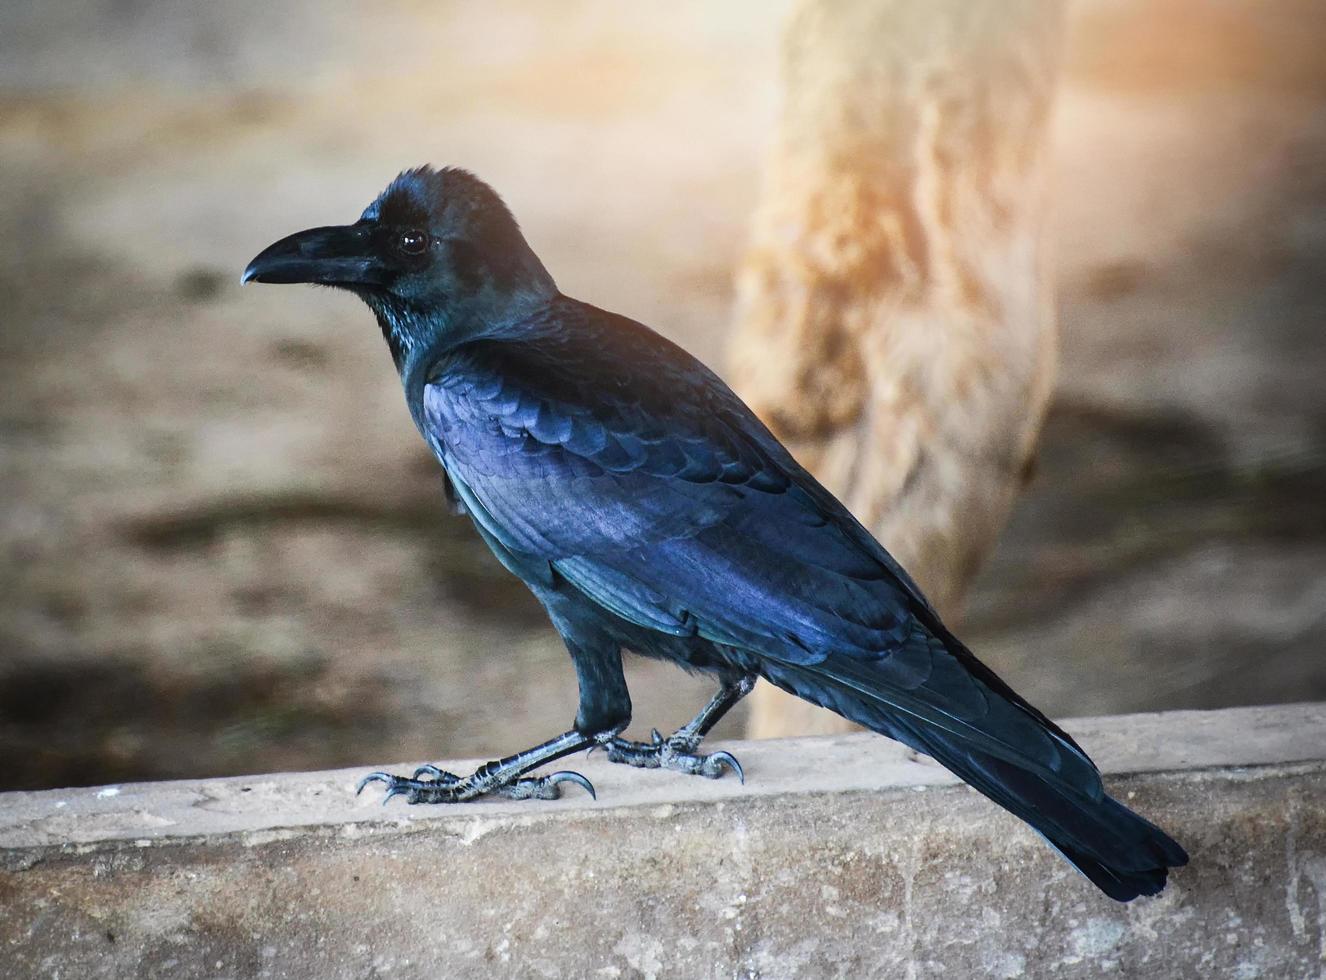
[{"x": 895, "y": 324}]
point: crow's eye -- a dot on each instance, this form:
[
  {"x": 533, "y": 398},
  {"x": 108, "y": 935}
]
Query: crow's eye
[{"x": 413, "y": 242}]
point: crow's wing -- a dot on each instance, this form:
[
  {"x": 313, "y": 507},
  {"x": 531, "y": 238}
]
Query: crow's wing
[{"x": 594, "y": 450}]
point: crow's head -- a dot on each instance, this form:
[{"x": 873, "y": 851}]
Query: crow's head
[{"x": 436, "y": 255}]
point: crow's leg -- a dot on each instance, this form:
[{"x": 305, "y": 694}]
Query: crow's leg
[
  {"x": 504, "y": 777},
  {"x": 605, "y": 709},
  {"x": 678, "y": 751}
]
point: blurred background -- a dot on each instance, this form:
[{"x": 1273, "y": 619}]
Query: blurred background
[{"x": 224, "y": 545}]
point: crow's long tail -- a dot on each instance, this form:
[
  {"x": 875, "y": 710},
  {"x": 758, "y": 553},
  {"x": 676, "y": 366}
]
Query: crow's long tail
[
  {"x": 1120, "y": 852},
  {"x": 1123, "y": 854}
]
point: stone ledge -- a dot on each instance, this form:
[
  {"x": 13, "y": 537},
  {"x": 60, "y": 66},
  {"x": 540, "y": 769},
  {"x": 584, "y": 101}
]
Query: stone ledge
[{"x": 842, "y": 856}]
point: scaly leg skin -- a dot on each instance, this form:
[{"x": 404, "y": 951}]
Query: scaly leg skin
[
  {"x": 678, "y": 751},
  {"x": 504, "y": 777}
]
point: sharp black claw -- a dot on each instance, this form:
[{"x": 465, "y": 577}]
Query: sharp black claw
[
  {"x": 566, "y": 776},
  {"x": 729, "y": 760},
  {"x": 373, "y": 777},
  {"x": 437, "y": 775},
  {"x": 396, "y": 790}
]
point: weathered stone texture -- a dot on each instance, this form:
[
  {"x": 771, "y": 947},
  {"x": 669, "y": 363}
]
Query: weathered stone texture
[{"x": 843, "y": 857}]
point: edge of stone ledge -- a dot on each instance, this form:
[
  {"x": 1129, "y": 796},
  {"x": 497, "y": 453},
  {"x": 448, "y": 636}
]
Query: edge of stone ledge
[{"x": 261, "y": 808}]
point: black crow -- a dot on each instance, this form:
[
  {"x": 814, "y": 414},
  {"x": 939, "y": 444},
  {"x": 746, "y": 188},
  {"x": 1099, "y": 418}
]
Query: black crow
[{"x": 649, "y": 510}]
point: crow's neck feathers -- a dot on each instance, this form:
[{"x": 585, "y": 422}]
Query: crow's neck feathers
[
  {"x": 399, "y": 329},
  {"x": 414, "y": 332}
]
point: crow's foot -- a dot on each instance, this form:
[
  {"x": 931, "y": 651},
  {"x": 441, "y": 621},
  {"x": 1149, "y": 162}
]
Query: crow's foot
[
  {"x": 441, "y": 786},
  {"x": 677, "y": 752}
]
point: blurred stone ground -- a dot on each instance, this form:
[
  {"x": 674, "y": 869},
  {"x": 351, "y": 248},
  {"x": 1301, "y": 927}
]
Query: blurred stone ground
[{"x": 224, "y": 548}]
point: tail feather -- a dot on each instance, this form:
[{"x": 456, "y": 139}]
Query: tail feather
[{"x": 1121, "y": 853}]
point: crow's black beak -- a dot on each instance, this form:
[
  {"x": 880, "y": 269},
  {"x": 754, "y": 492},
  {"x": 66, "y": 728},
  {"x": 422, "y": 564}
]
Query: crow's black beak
[{"x": 333, "y": 256}]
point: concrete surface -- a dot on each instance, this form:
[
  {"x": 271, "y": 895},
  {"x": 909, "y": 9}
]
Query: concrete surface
[{"x": 842, "y": 857}]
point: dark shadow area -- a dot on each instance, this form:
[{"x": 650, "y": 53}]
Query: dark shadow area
[{"x": 72, "y": 722}]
